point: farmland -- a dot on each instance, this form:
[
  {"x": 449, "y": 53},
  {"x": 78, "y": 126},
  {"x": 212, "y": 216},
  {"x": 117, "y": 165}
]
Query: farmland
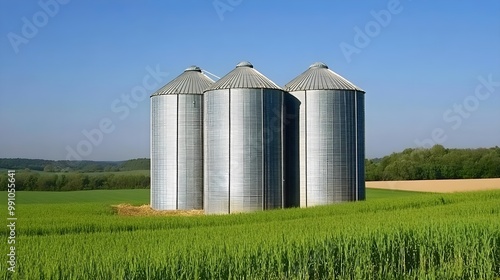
[
  {"x": 438, "y": 186},
  {"x": 393, "y": 235}
]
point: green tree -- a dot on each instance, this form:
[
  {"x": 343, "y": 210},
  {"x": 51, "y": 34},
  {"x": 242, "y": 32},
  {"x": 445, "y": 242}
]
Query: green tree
[
  {"x": 75, "y": 182},
  {"x": 47, "y": 182},
  {"x": 4, "y": 182},
  {"x": 49, "y": 168}
]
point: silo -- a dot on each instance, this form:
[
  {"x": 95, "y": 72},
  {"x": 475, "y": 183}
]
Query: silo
[
  {"x": 177, "y": 142},
  {"x": 331, "y": 136},
  {"x": 243, "y": 143}
]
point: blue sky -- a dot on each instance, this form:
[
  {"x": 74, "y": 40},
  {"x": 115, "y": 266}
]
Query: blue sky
[{"x": 431, "y": 70}]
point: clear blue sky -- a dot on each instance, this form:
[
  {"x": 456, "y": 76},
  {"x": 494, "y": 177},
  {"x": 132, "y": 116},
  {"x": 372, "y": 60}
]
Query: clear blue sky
[{"x": 65, "y": 68}]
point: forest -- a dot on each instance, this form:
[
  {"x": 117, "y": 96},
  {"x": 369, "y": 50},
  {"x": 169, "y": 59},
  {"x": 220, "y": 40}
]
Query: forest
[
  {"x": 49, "y": 175},
  {"x": 73, "y": 181},
  {"x": 435, "y": 163},
  {"x": 73, "y": 165}
]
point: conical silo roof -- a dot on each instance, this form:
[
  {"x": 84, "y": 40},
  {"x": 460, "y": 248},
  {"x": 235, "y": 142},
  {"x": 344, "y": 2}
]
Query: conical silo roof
[
  {"x": 244, "y": 76},
  {"x": 191, "y": 81},
  {"x": 319, "y": 77}
]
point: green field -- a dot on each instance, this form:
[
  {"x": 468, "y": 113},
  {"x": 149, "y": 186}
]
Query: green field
[
  {"x": 139, "y": 196},
  {"x": 392, "y": 235},
  {"x": 134, "y": 197}
]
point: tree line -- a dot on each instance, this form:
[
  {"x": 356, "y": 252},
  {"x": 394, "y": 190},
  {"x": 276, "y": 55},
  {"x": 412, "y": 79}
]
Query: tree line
[
  {"x": 411, "y": 164},
  {"x": 74, "y": 165},
  {"x": 33, "y": 181},
  {"x": 435, "y": 163}
]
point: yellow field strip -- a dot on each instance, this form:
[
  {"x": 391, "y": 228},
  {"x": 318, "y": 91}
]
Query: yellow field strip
[{"x": 438, "y": 186}]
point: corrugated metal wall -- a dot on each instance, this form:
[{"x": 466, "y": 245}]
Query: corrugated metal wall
[
  {"x": 177, "y": 152},
  {"x": 331, "y": 136},
  {"x": 190, "y": 152},
  {"x": 164, "y": 152},
  {"x": 246, "y": 152},
  {"x": 273, "y": 148},
  {"x": 216, "y": 144},
  {"x": 243, "y": 150},
  {"x": 360, "y": 149},
  {"x": 177, "y": 142},
  {"x": 331, "y": 145},
  {"x": 291, "y": 158}
]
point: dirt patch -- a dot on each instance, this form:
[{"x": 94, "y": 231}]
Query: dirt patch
[
  {"x": 146, "y": 210},
  {"x": 438, "y": 186}
]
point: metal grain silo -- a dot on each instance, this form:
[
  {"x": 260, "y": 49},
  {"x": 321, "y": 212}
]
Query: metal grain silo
[
  {"x": 177, "y": 142},
  {"x": 331, "y": 136},
  {"x": 243, "y": 143}
]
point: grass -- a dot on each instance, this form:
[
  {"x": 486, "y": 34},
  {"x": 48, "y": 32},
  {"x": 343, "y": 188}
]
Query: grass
[
  {"x": 392, "y": 235},
  {"x": 380, "y": 193},
  {"x": 137, "y": 196}
]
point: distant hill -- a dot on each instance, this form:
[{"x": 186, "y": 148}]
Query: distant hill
[
  {"x": 73, "y": 166},
  {"x": 136, "y": 164}
]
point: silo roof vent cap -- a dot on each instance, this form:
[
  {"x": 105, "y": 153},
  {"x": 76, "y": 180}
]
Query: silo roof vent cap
[
  {"x": 318, "y": 65},
  {"x": 244, "y": 64},
  {"x": 193, "y": 68}
]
